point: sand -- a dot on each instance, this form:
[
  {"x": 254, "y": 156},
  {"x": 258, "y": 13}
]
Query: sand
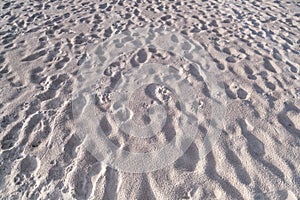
[{"x": 150, "y": 100}]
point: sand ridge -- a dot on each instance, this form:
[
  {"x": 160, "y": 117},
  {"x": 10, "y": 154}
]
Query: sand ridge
[{"x": 254, "y": 45}]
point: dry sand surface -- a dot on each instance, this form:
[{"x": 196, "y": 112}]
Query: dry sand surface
[{"x": 149, "y": 99}]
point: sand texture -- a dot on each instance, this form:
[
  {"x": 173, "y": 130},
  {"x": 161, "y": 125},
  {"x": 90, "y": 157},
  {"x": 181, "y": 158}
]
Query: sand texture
[{"x": 148, "y": 100}]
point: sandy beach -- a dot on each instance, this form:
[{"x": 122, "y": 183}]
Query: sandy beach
[{"x": 150, "y": 100}]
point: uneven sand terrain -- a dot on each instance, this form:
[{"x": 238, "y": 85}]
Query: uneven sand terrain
[{"x": 72, "y": 70}]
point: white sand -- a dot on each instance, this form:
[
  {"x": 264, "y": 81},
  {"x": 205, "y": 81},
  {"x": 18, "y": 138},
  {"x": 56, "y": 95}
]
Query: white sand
[{"x": 232, "y": 68}]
